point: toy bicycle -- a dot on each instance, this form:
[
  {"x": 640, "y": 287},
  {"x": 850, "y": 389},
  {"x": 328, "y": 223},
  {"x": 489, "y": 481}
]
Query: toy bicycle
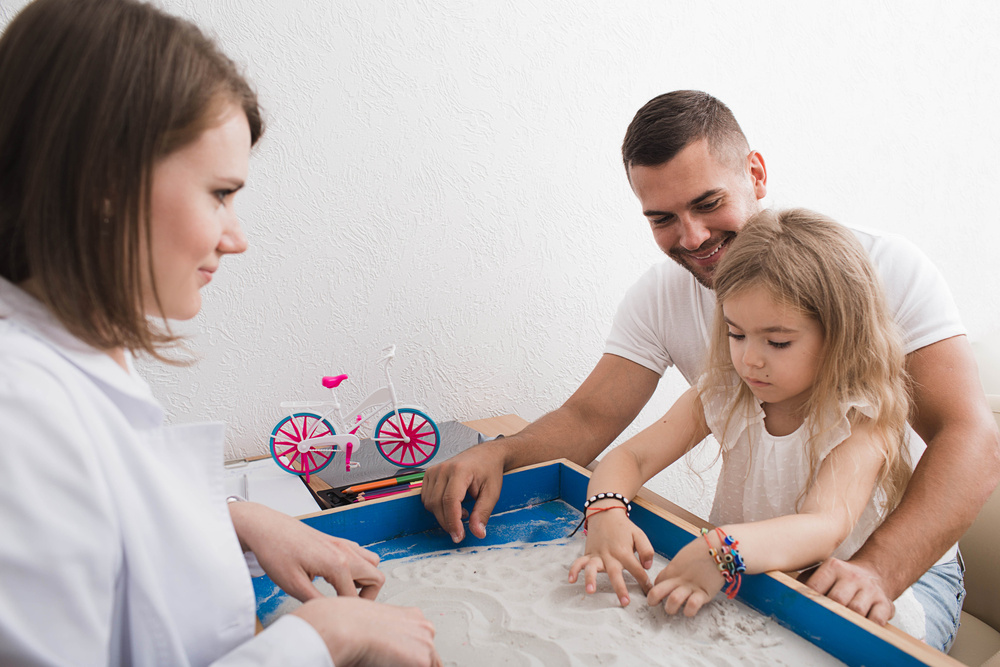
[{"x": 304, "y": 443}]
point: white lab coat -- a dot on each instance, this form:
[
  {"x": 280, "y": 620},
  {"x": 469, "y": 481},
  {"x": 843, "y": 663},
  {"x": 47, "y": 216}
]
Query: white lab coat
[{"x": 116, "y": 545}]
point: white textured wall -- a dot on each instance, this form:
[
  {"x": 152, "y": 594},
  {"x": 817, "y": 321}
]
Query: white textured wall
[{"x": 445, "y": 175}]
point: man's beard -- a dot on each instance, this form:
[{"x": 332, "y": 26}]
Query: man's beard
[{"x": 702, "y": 274}]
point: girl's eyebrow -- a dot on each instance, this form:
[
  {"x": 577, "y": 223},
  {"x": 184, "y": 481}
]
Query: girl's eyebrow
[{"x": 765, "y": 330}]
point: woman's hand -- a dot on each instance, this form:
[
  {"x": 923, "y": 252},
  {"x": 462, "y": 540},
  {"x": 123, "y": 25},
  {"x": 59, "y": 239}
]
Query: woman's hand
[
  {"x": 362, "y": 632},
  {"x": 690, "y": 580},
  {"x": 612, "y": 544},
  {"x": 292, "y": 554}
]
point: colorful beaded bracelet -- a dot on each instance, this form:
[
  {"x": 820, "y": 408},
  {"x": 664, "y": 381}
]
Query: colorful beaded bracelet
[{"x": 728, "y": 559}]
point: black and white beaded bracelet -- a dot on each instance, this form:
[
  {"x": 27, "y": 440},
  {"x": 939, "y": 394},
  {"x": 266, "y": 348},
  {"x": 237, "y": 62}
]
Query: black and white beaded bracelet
[{"x": 609, "y": 496}]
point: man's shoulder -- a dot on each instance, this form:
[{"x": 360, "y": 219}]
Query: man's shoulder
[{"x": 879, "y": 243}]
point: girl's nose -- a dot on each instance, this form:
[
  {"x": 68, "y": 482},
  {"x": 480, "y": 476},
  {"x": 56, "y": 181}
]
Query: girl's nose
[{"x": 752, "y": 357}]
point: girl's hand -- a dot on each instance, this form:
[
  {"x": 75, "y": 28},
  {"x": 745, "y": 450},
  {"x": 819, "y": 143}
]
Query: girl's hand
[
  {"x": 690, "y": 580},
  {"x": 612, "y": 544},
  {"x": 293, "y": 554}
]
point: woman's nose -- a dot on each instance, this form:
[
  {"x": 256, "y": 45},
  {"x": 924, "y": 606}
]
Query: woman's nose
[{"x": 233, "y": 240}]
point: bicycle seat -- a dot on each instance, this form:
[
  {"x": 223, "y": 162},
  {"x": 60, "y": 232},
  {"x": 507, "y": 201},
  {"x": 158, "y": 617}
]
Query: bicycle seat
[{"x": 334, "y": 381}]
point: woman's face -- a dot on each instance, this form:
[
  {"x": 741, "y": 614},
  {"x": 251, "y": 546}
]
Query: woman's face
[{"x": 193, "y": 221}]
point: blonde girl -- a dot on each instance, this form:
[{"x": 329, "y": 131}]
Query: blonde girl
[{"x": 806, "y": 392}]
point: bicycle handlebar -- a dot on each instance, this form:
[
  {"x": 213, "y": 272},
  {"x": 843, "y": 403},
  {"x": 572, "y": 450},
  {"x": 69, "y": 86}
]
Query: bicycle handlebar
[{"x": 305, "y": 404}]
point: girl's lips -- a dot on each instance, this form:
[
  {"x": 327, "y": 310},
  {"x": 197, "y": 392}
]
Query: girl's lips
[{"x": 756, "y": 383}]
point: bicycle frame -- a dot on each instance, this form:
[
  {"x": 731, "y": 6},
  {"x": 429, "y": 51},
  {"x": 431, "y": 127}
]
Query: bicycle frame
[
  {"x": 403, "y": 434},
  {"x": 368, "y": 408}
]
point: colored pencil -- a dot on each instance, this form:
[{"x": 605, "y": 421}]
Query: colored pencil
[
  {"x": 391, "y": 491},
  {"x": 382, "y": 483}
]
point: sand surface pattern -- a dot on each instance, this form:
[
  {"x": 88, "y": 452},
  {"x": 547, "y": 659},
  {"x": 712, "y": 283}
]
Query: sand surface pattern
[{"x": 512, "y": 605}]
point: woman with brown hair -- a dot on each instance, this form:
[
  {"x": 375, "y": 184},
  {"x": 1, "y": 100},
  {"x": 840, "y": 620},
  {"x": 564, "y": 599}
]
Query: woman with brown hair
[{"x": 124, "y": 137}]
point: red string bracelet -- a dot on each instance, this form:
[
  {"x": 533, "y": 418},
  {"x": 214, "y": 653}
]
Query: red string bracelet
[{"x": 591, "y": 512}]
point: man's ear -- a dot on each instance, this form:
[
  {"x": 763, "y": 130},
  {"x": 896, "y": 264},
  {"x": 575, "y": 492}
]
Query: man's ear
[{"x": 758, "y": 173}]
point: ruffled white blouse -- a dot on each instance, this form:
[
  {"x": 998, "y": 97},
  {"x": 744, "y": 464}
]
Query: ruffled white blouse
[{"x": 764, "y": 476}]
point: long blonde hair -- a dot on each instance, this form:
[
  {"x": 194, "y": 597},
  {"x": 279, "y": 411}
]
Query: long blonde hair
[{"x": 811, "y": 263}]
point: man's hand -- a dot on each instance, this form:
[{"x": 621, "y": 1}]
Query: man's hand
[
  {"x": 360, "y": 632},
  {"x": 293, "y": 554},
  {"x": 855, "y": 586},
  {"x": 478, "y": 472}
]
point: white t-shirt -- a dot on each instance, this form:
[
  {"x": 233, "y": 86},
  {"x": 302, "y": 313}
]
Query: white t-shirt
[
  {"x": 665, "y": 318},
  {"x": 116, "y": 545}
]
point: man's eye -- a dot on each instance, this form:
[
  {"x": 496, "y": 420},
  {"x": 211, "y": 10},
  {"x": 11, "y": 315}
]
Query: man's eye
[{"x": 709, "y": 205}]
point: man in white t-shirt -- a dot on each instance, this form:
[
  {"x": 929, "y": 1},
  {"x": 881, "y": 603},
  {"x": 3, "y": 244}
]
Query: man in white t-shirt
[{"x": 698, "y": 182}]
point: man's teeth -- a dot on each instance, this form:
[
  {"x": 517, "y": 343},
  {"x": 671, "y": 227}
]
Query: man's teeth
[{"x": 717, "y": 249}]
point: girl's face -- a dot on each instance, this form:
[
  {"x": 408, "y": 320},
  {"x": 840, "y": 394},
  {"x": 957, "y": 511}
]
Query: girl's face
[
  {"x": 775, "y": 348},
  {"x": 193, "y": 222}
]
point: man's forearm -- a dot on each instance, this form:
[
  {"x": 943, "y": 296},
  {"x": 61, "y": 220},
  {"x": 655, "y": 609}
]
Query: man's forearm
[
  {"x": 604, "y": 405},
  {"x": 953, "y": 480},
  {"x": 563, "y": 433}
]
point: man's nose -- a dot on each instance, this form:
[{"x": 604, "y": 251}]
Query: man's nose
[{"x": 693, "y": 233}]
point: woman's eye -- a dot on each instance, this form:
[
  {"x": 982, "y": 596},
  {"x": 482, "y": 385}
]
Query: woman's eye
[{"x": 222, "y": 194}]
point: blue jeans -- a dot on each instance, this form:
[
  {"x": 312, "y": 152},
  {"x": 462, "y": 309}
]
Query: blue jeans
[{"x": 941, "y": 591}]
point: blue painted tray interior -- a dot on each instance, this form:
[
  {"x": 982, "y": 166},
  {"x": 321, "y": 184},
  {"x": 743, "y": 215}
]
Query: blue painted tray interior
[{"x": 539, "y": 504}]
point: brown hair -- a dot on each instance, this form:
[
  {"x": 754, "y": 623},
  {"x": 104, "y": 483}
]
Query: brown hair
[
  {"x": 92, "y": 94},
  {"x": 669, "y": 122},
  {"x": 809, "y": 262}
]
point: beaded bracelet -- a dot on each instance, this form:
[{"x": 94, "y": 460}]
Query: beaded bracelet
[
  {"x": 728, "y": 559},
  {"x": 609, "y": 496},
  {"x": 601, "y": 496}
]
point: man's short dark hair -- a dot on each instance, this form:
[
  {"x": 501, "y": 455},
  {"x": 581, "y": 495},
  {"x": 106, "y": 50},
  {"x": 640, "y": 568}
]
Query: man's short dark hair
[{"x": 669, "y": 122}]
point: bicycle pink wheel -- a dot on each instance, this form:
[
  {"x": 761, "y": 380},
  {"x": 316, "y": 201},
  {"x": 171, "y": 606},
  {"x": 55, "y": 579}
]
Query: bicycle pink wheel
[
  {"x": 408, "y": 439},
  {"x": 287, "y": 438}
]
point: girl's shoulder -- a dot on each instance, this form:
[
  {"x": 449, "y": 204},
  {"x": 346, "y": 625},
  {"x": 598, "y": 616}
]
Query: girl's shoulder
[{"x": 851, "y": 417}]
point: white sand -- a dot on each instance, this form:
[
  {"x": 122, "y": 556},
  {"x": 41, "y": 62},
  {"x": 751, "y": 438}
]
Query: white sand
[{"x": 512, "y": 605}]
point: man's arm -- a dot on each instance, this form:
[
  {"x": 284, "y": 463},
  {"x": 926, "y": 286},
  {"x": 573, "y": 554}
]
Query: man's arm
[
  {"x": 607, "y": 402},
  {"x": 952, "y": 481}
]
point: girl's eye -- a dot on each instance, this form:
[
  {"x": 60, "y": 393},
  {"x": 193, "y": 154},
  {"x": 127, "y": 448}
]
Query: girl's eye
[
  {"x": 735, "y": 336},
  {"x": 780, "y": 346}
]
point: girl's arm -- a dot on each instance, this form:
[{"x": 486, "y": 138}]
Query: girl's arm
[
  {"x": 830, "y": 509},
  {"x": 612, "y": 540}
]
